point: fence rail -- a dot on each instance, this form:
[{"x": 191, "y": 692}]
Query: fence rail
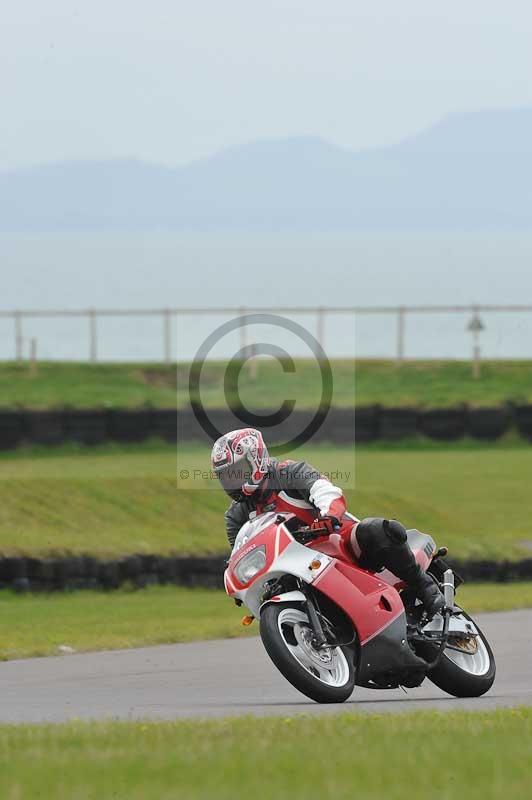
[{"x": 167, "y": 315}]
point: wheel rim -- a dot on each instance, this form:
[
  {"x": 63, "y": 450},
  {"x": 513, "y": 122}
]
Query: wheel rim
[
  {"x": 474, "y": 663},
  {"x": 328, "y": 665}
]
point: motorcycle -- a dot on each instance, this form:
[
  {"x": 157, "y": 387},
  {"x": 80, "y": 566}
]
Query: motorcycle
[{"x": 329, "y": 625}]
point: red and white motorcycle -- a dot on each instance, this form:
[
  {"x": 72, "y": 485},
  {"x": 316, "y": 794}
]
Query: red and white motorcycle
[{"x": 329, "y": 625}]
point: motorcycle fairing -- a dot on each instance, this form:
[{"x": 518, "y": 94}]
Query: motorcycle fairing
[
  {"x": 369, "y": 602},
  {"x": 336, "y": 545},
  {"x": 272, "y": 548},
  {"x": 373, "y": 605},
  {"x": 284, "y": 556},
  {"x": 294, "y": 596},
  {"x": 378, "y": 614},
  {"x": 387, "y": 661}
]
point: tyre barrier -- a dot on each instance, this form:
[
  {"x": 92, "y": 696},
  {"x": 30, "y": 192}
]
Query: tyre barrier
[
  {"x": 398, "y": 423},
  {"x": 444, "y": 424},
  {"x": 478, "y": 571},
  {"x": 86, "y": 426},
  {"x": 70, "y": 573},
  {"x": 11, "y": 429},
  {"x": 367, "y": 423},
  {"x": 44, "y": 427},
  {"x": 164, "y": 424},
  {"x": 339, "y": 425},
  {"x": 488, "y": 423},
  {"x": 523, "y": 420},
  {"x": 129, "y": 425},
  {"x": 60, "y": 573}
]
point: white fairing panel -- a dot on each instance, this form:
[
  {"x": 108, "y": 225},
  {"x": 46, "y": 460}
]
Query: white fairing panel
[
  {"x": 295, "y": 560},
  {"x": 287, "y": 597}
]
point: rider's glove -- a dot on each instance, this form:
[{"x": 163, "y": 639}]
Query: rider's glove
[{"x": 331, "y": 524}]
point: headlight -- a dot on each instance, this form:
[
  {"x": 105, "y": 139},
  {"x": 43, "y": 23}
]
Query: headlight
[{"x": 248, "y": 567}]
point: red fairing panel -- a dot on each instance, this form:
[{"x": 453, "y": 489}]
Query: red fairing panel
[
  {"x": 338, "y": 545},
  {"x": 370, "y": 603},
  {"x": 335, "y": 545}
]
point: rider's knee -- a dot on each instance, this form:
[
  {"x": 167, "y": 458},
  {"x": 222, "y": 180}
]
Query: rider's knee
[{"x": 375, "y": 534}]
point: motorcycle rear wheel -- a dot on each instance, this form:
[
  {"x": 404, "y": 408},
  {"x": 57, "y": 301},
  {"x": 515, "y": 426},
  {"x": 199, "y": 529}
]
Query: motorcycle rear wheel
[
  {"x": 326, "y": 676},
  {"x": 466, "y": 674}
]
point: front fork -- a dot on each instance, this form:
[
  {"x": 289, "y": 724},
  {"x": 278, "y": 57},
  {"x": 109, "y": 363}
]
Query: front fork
[{"x": 318, "y": 636}]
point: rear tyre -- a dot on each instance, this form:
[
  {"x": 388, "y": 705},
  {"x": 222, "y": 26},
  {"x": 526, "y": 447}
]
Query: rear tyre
[
  {"x": 326, "y": 675},
  {"x": 464, "y": 673}
]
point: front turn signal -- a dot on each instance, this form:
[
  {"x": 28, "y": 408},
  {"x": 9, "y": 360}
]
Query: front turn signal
[
  {"x": 248, "y": 619},
  {"x": 316, "y": 564}
]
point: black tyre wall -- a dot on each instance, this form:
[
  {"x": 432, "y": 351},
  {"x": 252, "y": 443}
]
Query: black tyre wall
[
  {"x": 523, "y": 419},
  {"x": 487, "y": 423},
  {"x": 367, "y": 424},
  {"x": 45, "y": 427},
  {"x": 398, "y": 423},
  {"x": 445, "y": 424},
  {"x": 11, "y": 429},
  {"x": 86, "y": 426}
]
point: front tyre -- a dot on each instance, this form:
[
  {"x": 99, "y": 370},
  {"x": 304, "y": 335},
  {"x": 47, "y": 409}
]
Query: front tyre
[
  {"x": 467, "y": 669},
  {"x": 326, "y": 675}
]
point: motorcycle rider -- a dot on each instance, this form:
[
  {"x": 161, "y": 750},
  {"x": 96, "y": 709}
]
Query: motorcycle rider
[{"x": 257, "y": 483}]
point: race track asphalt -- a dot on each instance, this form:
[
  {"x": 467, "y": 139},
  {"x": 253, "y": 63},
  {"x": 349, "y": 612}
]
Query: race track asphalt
[{"x": 233, "y": 676}]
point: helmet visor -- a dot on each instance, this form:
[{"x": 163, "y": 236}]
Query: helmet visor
[{"x": 234, "y": 476}]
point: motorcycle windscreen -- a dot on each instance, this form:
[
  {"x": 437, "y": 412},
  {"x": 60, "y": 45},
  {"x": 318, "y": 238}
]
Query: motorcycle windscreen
[{"x": 252, "y": 528}]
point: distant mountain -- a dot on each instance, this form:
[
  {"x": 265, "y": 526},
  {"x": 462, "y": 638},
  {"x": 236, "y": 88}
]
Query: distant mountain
[{"x": 469, "y": 172}]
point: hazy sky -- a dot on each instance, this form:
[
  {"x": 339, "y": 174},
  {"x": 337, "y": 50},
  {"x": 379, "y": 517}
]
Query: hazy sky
[{"x": 170, "y": 81}]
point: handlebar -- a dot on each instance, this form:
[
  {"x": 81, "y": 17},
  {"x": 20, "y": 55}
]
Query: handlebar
[{"x": 307, "y": 534}]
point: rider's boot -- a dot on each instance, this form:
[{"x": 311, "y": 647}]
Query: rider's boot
[{"x": 384, "y": 543}]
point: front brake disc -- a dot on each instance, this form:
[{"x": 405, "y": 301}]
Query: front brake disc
[{"x": 326, "y": 657}]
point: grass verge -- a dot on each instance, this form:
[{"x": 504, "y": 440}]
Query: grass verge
[
  {"x": 37, "y": 625},
  {"x": 415, "y": 383},
  {"x": 340, "y": 756},
  {"x": 472, "y": 500}
]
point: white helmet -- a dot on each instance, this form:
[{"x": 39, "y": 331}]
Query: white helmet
[{"x": 240, "y": 460}]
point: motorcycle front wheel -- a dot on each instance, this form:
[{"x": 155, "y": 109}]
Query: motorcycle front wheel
[
  {"x": 326, "y": 675},
  {"x": 466, "y": 669}
]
